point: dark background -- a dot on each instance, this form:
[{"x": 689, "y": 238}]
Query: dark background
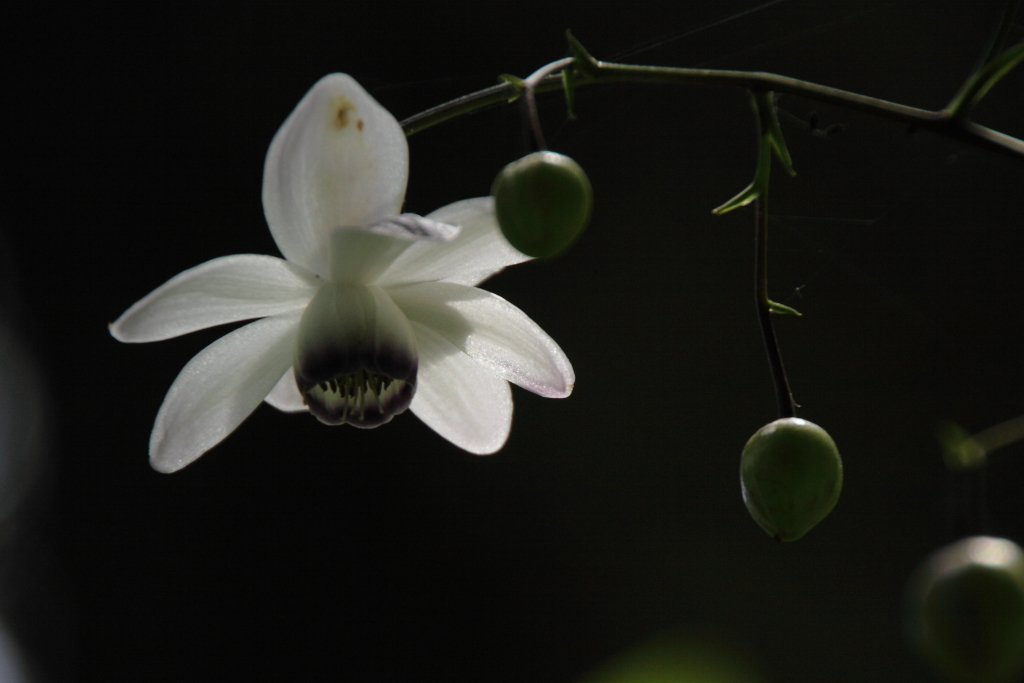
[{"x": 132, "y": 149}]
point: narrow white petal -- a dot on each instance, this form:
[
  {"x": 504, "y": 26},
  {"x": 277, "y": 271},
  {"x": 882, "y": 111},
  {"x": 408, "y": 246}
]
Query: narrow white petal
[
  {"x": 492, "y": 331},
  {"x": 219, "y": 388},
  {"x": 409, "y": 226},
  {"x": 359, "y": 255},
  {"x": 479, "y": 251},
  {"x": 339, "y": 160},
  {"x": 223, "y": 290},
  {"x": 285, "y": 395},
  {"x": 458, "y": 398}
]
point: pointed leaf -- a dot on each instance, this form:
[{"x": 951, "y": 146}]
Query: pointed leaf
[
  {"x": 584, "y": 61},
  {"x": 764, "y": 103},
  {"x": 782, "y": 309},
  {"x": 980, "y": 82},
  {"x": 518, "y": 85},
  {"x": 748, "y": 195},
  {"x": 568, "y": 86}
]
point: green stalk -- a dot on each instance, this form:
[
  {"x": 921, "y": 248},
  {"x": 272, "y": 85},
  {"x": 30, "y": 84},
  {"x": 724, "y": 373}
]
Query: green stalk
[{"x": 588, "y": 71}]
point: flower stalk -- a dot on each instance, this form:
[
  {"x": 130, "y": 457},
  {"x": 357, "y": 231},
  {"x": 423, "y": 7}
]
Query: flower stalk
[
  {"x": 588, "y": 71},
  {"x": 783, "y": 395},
  {"x": 770, "y": 141},
  {"x": 530, "y": 96}
]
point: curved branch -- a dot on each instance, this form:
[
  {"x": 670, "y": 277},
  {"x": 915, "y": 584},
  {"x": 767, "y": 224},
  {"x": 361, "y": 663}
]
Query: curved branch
[{"x": 598, "y": 73}]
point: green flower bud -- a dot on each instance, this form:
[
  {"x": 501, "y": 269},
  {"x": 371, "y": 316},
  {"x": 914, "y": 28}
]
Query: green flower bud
[
  {"x": 791, "y": 475},
  {"x": 965, "y": 610},
  {"x": 543, "y": 202}
]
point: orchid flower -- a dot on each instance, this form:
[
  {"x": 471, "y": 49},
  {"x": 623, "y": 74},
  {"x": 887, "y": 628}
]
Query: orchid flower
[{"x": 370, "y": 311}]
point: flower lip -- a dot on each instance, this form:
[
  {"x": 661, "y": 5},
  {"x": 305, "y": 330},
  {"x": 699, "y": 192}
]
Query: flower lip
[
  {"x": 362, "y": 398},
  {"x": 327, "y": 363},
  {"x": 356, "y": 357}
]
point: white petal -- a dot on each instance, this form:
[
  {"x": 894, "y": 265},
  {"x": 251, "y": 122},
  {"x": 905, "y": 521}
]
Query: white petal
[
  {"x": 223, "y": 290},
  {"x": 493, "y": 332},
  {"x": 458, "y": 398},
  {"x": 359, "y": 255},
  {"x": 285, "y": 395},
  {"x": 339, "y": 160},
  {"x": 409, "y": 226},
  {"x": 477, "y": 253},
  {"x": 219, "y": 388}
]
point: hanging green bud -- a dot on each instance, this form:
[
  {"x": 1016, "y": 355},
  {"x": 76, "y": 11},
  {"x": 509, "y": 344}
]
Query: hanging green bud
[
  {"x": 965, "y": 610},
  {"x": 791, "y": 475},
  {"x": 543, "y": 202}
]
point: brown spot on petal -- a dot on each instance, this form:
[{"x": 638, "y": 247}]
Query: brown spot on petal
[
  {"x": 342, "y": 107},
  {"x": 359, "y": 124}
]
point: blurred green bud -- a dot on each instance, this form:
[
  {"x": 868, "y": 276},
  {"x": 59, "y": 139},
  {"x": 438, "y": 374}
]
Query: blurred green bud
[
  {"x": 965, "y": 610},
  {"x": 959, "y": 450},
  {"x": 543, "y": 202},
  {"x": 676, "y": 658},
  {"x": 791, "y": 476}
]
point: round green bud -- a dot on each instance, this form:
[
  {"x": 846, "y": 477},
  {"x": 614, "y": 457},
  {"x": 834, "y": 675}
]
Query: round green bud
[
  {"x": 543, "y": 202},
  {"x": 965, "y": 610},
  {"x": 791, "y": 475}
]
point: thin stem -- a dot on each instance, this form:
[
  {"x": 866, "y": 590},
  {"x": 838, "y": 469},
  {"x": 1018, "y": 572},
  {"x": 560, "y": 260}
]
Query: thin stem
[
  {"x": 764, "y": 316},
  {"x": 530, "y": 98},
  {"x": 503, "y": 93},
  {"x": 531, "y": 117},
  {"x": 597, "y": 73},
  {"x": 1000, "y": 435}
]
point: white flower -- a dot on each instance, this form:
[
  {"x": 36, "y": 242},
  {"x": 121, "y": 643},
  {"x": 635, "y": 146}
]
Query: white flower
[{"x": 370, "y": 311}]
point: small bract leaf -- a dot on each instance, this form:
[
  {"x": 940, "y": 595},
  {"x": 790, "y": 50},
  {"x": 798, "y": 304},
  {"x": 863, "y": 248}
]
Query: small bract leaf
[
  {"x": 748, "y": 195},
  {"x": 980, "y": 82},
  {"x": 791, "y": 476},
  {"x": 584, "y": 61},
  {"x": 782, "y": 309},
  {"x": 570, "y": 93},
  {"x": 965, "y": 610},
  {"x": 764, "y": 105},
  {"x": 543, "y": 203},
  {"x": 779, "y": 146},
  {"x": 518, "y": 83}
]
